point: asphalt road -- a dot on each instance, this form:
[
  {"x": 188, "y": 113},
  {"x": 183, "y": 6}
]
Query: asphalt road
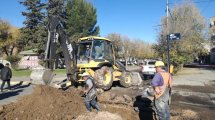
[
  {"x": 18, "y": 90},
  {"x": 194, "y": 77}
]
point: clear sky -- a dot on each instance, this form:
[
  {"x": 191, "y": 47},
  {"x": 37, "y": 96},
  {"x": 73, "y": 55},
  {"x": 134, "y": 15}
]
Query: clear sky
[{"x": 134, "y": 18}]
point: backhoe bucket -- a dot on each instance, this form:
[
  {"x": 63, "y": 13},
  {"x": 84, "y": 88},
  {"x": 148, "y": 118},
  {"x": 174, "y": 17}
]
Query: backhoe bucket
[{"x": 41, "y": 76}]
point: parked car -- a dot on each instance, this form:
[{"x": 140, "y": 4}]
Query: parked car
[{"x": 148, "y": 69}]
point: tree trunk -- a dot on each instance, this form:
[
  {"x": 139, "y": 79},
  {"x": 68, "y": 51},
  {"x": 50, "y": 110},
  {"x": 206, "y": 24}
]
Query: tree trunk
[
  {"x": 11, "y": 50},
  {"x": 5, "y": 50}
]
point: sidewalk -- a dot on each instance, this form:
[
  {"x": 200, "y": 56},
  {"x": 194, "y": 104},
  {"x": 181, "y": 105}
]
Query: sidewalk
[
  {"x": 19, "y": 89},
  {"x": 17, "y": 80}
]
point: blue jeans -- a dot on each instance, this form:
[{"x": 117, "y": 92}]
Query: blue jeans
[
  {"x": 91, "y": 103},
  {"x": 162, "y": 109},
  {"x": 162, "y": 106}
]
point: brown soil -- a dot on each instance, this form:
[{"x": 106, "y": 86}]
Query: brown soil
[
  {"x": 44, "y": 104},
  {"x": 119, "y": 104},
  {"x": 48, "y": 103},
  {"x": 200, "y": 107},
  {"x": 188, "y": 112}
]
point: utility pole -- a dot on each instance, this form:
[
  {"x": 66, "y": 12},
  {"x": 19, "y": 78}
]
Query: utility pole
[{"x": 167, "y": 32}]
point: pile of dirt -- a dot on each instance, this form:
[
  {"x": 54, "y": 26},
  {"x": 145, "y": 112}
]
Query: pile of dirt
[
  {"x": 47, "y": 103},
  {"x": 44, "y": 104}
]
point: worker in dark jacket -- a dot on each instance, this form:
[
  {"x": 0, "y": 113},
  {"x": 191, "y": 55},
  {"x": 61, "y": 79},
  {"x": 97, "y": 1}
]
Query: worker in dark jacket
[
  {"x": 90, "y": 92},
  {"x": 6, "y": 75}
]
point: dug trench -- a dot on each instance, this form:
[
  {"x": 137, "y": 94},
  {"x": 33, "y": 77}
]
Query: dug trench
[{"x": 47, "y": 103}]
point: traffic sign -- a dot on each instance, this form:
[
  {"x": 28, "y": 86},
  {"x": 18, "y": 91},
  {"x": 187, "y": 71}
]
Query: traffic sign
[{"x": 174, "y": 36}]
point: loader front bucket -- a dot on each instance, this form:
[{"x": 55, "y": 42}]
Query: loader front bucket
[{"x": 136, "y": 79}]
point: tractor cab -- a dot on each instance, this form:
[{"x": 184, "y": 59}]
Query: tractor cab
[{"x": 95, "y": 49}]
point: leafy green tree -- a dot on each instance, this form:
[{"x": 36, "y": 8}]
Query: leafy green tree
[
  {"x": 34, "y": 34},
  {"x": 56, "y": 7},
  {"x": 81, "y": 19}
]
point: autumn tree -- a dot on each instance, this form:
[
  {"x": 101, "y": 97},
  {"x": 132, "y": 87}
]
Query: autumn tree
[
  {"x": 143, "y": 50},
  {"x": 131, "y": 48},
  {"x": 9, "y": 37},
  {"x": 187, "y": 20},
  {"x": 117, "y": 44}
]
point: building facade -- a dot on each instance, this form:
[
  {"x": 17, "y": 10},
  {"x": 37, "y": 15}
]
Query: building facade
[
  {"x": 29, "y": 59},
  {"x": 212, "y": 34}
]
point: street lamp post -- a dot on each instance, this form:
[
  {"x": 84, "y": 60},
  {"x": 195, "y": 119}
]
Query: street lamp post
[{"x": 167, "y": 31}]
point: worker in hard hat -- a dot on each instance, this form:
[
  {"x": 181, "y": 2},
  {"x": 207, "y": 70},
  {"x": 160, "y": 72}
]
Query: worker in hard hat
[
  {"x": 162, "y": 84},
  {"x": 90, "y": 92},
  {"x": 87, "y": 52}
]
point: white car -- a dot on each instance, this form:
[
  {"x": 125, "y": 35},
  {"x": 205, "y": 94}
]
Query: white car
[{"x": 148, "y": 68}]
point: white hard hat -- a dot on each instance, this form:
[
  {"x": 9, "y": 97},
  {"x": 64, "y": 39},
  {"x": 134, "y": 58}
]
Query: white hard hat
[{"x": 85, "y": 74}]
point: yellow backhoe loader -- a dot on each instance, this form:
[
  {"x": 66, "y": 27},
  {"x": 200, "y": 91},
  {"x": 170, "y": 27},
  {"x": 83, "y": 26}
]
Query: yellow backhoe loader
[
  {"x": 101, "y": 63},
  {"x": 92, "y": 54}
]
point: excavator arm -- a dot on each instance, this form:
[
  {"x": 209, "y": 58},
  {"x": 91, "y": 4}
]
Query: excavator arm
[{"x": 56, "y": 33}]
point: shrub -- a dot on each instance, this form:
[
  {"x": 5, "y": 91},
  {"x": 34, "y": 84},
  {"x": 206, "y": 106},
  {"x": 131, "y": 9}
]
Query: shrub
[{"x": 13, "y": 59}]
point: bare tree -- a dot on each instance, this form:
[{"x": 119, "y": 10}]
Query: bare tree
[
  {"x": 133, "y": 48},
  {"x": 185, "y": 19}
]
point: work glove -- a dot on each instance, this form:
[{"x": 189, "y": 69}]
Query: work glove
[{"x": 148, "y": 92}]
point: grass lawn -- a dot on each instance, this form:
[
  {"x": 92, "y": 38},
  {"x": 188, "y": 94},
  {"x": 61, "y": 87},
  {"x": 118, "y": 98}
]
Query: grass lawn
[
  {"x": 25, "y": 73},
  {"x": 60, "y": 71},
  {"x": 21, "y": 73}
]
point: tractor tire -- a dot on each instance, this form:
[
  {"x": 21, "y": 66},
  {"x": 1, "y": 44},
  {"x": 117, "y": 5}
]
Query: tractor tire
[
  {"x": 104, "y": 78},
  {"x": 126, "y": 80}
]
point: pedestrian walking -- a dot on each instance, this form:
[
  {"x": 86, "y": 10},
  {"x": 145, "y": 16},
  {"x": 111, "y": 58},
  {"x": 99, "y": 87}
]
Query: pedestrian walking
[
  {"x": 6, "y": 75},
  {"x": 162, "y": 84},
  {"x": 90, "y": 92}
]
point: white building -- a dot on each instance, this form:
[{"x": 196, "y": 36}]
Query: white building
[{"x": 29, "y": 59}]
